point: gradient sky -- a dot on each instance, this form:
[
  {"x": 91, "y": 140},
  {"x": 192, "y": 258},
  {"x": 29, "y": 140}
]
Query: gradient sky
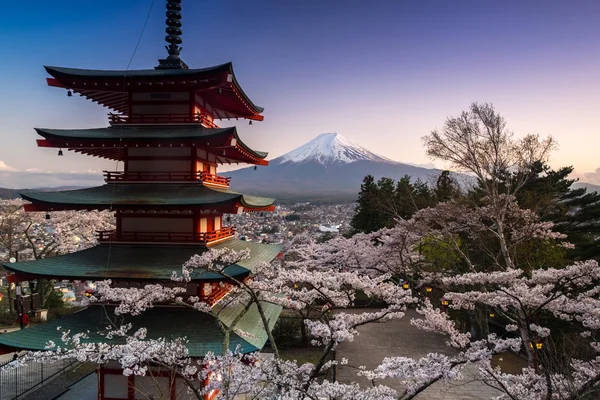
[{"x": 382, "y": 73}]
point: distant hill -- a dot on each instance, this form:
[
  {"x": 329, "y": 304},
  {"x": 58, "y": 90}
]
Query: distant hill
[
  {"x": 328, "y": 168},
  {"x": 590, "y": 187},
  {"x": 14, "y": 193},
  {"x": 8, "y": 193}
]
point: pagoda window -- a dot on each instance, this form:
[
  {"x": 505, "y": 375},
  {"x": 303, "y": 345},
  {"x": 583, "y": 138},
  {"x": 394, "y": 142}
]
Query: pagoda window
[
  {"x": 210, "y": 224},
  {"x": 206, "y": 167},
  {"x": 203, "y": 224},
  {"x": 217, "y": 223}
]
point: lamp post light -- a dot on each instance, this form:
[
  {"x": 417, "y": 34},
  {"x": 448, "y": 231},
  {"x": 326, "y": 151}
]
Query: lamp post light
[
  {"x": 444, "y": 304},
  {"x": 405, "y": 285},
  {"x": 538, "y": 346},
  {"x": 428, "y": 290}
]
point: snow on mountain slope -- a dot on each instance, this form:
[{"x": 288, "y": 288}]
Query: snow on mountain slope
[
  {"x": 328, "y": 168},
  {"x": 329, "y": 148}
]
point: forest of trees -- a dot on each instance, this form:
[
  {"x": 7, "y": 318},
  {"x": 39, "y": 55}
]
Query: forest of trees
[{"x": 547, "y": 192}]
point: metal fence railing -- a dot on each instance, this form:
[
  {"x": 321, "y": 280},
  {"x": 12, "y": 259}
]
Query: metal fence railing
[{"x": 17, "y": 379}]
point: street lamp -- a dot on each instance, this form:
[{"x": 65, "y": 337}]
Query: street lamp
[
  {"x": 428, "y": 289},
  {"x": 492, "y": 315},
  {"x": 405, "y": 285},
  {"x": 538, "y": 346}
]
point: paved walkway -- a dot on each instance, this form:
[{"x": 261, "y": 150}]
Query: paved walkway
[
  {"x": 84, "y": 389},
  {"x": 400, "y": 338}
]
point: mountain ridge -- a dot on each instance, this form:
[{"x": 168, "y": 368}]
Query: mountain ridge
[
  {"x": 329, "y": 148},
  {"x": 327, "y": 168}
]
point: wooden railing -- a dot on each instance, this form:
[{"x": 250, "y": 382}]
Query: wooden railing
[
  {"x": 210, "y": 179},
  {"x": 166, "y": 237},
  {"x": 217, "y": 294},
  {"x": 119, "y": 119},
  {"x": 204, "y": 177}
]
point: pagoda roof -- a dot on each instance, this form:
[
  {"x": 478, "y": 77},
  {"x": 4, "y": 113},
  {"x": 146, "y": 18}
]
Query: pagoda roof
[
  {"x": 138, "y": 263},
  {"x": 109, "y": 142},
  {"x": 201, "y": 329},
  {"x": 111, "y": 87},
  {"x": 153, "y": 196}
]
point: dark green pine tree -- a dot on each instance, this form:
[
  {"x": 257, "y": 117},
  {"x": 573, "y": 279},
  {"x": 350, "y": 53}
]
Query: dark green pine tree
[
  {"x": 446, "y": 188},
  {"x": 368, "y": 218},
  {"x": 380, "y": 204},
  {"x": 575, "y": 212}
]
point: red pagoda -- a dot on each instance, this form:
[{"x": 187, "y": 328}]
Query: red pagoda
[{"x": 168, "y": 199}]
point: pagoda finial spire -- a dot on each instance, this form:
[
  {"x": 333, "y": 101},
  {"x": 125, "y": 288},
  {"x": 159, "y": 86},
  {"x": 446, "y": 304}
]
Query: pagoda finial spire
[{"x": 173, "y": 37}]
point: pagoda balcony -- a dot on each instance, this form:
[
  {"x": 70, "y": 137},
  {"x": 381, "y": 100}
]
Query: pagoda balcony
[
  {"x": 166, "y": 237},
  {"x": 151, "y": 119},
  {"x": 164, "y": 176},
  {"x": 217, "y": 294}
]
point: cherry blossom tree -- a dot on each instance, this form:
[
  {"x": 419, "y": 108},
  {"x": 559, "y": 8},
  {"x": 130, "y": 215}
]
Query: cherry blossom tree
[
  {"x": 34, "y": 235},
  {"x": 471, "y": 251}
]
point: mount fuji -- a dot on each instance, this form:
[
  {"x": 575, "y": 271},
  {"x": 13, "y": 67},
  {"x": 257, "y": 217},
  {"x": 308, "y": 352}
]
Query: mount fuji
[{"x": 328, "y": 168}]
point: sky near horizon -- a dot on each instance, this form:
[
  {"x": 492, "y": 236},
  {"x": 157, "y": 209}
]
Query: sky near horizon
[{"x": 381, "y": 73}]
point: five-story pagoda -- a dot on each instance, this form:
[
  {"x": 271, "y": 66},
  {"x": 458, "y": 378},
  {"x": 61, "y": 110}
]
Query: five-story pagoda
[{"x": 169, "y": 202}]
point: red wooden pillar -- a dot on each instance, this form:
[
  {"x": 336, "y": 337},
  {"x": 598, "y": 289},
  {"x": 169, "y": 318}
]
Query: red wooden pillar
[
  {"x": 196, "y": 223},
  {"x": 100, "y": 372},
  {"x": 173, "y": 383},
  {"x": 131, "y": 387},
  {"x": 193, "y": 157}
]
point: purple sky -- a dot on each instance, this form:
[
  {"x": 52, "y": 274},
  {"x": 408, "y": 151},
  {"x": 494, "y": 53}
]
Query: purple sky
[{"x": 382, "y": 73}]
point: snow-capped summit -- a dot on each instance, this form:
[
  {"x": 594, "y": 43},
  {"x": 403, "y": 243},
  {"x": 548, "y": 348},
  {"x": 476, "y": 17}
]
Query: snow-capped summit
[
  {"x": 328, "y": 148},
  {"x": 328, "y": 168}
]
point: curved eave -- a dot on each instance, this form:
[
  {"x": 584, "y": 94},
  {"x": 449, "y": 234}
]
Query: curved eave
[
  {"x": 139, "y": 263},
  {"x": 143, "y": 196},
  {"x": 202, "y": 331},
  {"x": 109, "y": 142},
  {"x": 110, "y": 88},
  {"x": 254, "y": 107}
]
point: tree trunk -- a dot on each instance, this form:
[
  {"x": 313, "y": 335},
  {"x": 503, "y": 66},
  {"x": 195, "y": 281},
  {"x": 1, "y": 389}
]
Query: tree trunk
[
  {"x": 304, "y": 334},
  {"x": 526, "y": 342}
]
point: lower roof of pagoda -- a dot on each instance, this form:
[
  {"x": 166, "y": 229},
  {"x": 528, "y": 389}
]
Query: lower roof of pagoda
[
  {"x": 201, "y": 329},
  {"x": 148, "y": 196},
  {"x": 110, "y": 142},
  {"x": 140, "y": 263}
]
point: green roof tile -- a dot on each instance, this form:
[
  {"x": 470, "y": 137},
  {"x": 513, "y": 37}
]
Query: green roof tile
[
  {"x": 166, "y": 133},
  {"x": 201, "y": 330},
  {"x": 145, "y": 194},
  {"x": 141, "y": 262}
]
